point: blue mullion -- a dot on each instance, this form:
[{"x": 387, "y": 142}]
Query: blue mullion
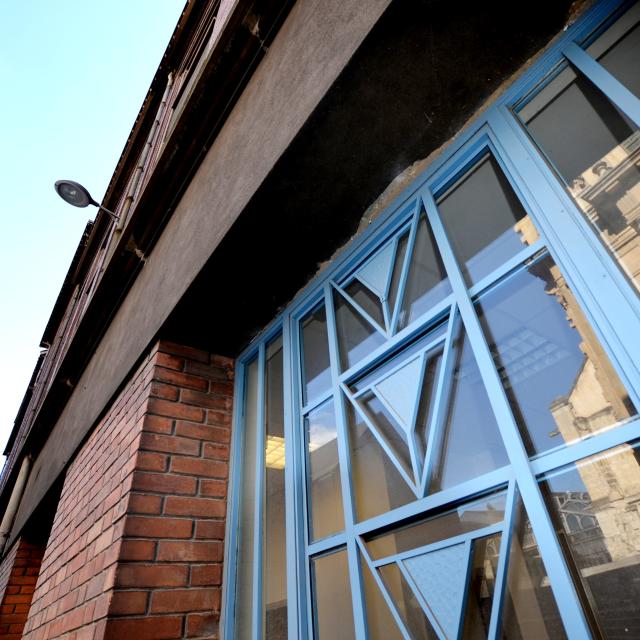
[
  {"x": 561, "y": 583},
  {"x": 594, "y": 277},
  {"x": 394, "y": 344},
  {"x": 360, "y": 310},
  {"x": 614, "y": 437},
  {"x": 605, "y": 81},
  {"x": 323, "y": 545},
  {"x": 382, "y": 441},
  {"x": 465, "y": 490},
  {"x": 421, "y": 601},
  {"x": 233, "y": 525},
  {"x": 500, "y": 588},
  {"x": 441, "y": 544},
  {"x": 294, "y": 480},
  {"x": 404, "y": 275},
  {"x": 316, "y": 402},
  {"x": 440, "y": 400},
  {"x": 505, "y": 268},
  {"x": 355, "y": 577},
  {"x": 258, "y": 527},
  {"x": 383, "y": 590}
]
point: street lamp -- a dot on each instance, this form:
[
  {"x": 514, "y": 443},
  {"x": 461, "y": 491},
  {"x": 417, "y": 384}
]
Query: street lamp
[{"x": 75, "y": 194}]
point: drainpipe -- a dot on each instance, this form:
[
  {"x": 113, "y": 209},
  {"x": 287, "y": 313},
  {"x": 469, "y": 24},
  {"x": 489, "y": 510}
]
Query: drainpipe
[{"x": 14, "y": 502}]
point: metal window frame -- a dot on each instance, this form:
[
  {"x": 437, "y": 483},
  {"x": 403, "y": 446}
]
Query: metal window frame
[{"x": 594, "y": 278}]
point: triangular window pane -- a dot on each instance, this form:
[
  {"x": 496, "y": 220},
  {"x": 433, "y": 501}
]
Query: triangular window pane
[
  {"x": 398, "y": 265},
  {"x": 427, "y": 406},
  {"x": 377, "y": 485},
  {"x": 368, "y": 300},
  {"x": 440, "y": 577},
  {"x": 482, "y": 582},
  {"x": 376, "y": 272},
  {"x": 400, "y": 391},
  {"x": 406, "y": 603},
  {"x": 471, "y": 444},
  {"x": 427, "y": 282},
  {"x": 356, "y": 336},
  {"x": 391, "y": 431}
]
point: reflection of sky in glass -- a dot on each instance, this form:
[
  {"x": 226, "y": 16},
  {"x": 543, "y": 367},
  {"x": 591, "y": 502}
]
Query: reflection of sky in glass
[{"x": 322, "y": 426}]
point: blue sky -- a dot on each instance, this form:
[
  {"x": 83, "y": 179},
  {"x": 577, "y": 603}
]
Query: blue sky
[{"x": 74, "y": 75}]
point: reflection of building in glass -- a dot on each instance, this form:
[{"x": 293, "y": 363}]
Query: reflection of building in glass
[
  {"x": 597, "y": 399},
  {"x": 609, "y": 194}
]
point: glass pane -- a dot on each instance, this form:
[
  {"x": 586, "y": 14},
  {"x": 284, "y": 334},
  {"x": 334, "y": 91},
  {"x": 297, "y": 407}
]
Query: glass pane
[
  {"x": 595, "y": 507},
  {"x": 380, "y": 622},
  {"x": 315, "y": 355},
  {"x": 356, "y": 336},
  {"x": 529, "y": 609},
  {"x": 481, "y": 587},
  {"x": 427, "y": 406},
  {"x": 274, "y": 545},
  {"x": 407, "y": 606},
  {"x": 244, "y": 558},
  {"x": 558, "y": 379},
  {"x": 617, "y": 49},
  {"x": 596, "y": 150},
  {"x": 323, "y": 473},
  {"x": 462, "y": 519},
  {"x": 333, "y": 613},
  {"x": 377, "y": 485},
  {"x": 427, "y": 282},
  {"x": 368, "y": 300},
  {"x": 396, "y": 274},
  {"x": 390, "y": 431},
  {"x": 484, "y": 219},
  {"x": 471, "y": 443}
]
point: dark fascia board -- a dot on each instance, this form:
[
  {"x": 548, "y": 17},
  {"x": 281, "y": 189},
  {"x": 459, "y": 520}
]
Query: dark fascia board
[{"x": 232, "y": 63}]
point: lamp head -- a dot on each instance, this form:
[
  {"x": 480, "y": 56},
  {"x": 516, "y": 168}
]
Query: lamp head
[{"x": 74, "y": 193}]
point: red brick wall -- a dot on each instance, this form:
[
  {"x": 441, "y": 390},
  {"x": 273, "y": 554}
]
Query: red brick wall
[
  {"x": 18, "y": 576},
  {"x": 137, "y": 542}
]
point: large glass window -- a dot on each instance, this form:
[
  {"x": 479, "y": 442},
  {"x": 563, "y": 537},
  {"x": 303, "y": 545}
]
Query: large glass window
[
  {"x": 432, "y": 442},
  {"x": 594, "y": 146}
]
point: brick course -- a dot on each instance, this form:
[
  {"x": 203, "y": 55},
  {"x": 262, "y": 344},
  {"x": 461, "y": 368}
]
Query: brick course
[
  {"x": 137, "y": 541},
  {"x": 18, "y": 575}
]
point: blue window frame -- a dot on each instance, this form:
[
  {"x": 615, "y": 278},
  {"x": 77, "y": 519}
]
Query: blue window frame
[{"x": 428, "y": 371}]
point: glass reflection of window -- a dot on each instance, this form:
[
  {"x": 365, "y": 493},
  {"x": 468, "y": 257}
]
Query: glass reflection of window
[
  {"x": 323, "y": 473},
  {"x": 594, "y": 147},
  {"x": 484, "y": 219},
  {"x": 244, "y": 559},
  {"x": 603, "y": 541},
  {"x": 274, "y": 545},
  {"x": 559, "y": 381},
  {"x": 332, "y": 613},
  {"x": 316, "y": 374}
]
